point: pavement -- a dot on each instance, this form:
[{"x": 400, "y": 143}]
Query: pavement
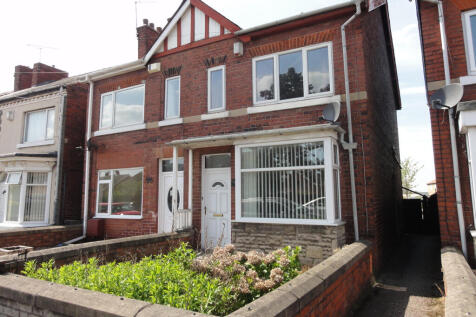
[{"x": 410, "y": 283}]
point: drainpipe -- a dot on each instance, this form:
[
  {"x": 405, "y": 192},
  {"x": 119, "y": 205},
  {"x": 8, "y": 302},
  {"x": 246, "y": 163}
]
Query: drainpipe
[
  {"x": 454, "y": 153},
  {"x": 59, "y": 157},
  {"x": 350, "y": 146},
  {"x": 87, "y": 164}
]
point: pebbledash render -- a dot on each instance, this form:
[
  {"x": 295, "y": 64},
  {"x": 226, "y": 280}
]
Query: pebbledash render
[
  {"x": 231, "y": 119},
  {"x": 448, "y": 37}
]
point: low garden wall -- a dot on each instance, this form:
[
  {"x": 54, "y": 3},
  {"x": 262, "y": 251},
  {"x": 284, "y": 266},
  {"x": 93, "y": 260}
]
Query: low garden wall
[
  {"x": 130, "y": 248},
  {"x": 460, "y": 284},
  {"x": 39, "y": 237},
  {"x": 317, "y": 242},
  {"x": 330, "y": 288}
]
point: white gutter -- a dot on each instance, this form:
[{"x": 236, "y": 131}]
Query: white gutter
[
  {"x": 116, "y": 70},
  {"x": 350, "y": 146},
  {"x": 296, "y": 17},
  {"x": 454, "y": 152},
  {"x": 87, "y": 164}
]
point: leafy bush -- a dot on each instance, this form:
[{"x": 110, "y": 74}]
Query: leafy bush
[{"x": 215, "y": 284}]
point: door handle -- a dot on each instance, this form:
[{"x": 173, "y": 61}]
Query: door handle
[{"x": 217, "y": 215}]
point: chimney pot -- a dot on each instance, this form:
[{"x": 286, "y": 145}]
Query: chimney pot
[
  {"x": 159, "y": 29},
  {"x": 145, "y": 21},
  {"x": 151, "y": 25},
  {"x": 168, "y": 19}
]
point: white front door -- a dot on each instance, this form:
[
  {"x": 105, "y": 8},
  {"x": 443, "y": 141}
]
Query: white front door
[
  {"x": 216, "y": 200},
  {"x": 165, "y": 193}
]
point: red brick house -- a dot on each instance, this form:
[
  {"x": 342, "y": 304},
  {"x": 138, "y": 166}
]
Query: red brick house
[
  {"x": 231, "y": 119},
  {"x": 42, "y": 122},
  {"x": 448, "y": 37}
]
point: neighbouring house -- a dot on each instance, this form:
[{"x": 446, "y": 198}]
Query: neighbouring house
[
  {"x": 42, "y": 124},
  {"x": 222, "y": 127},
  {"x": 448, "y": 38},
  {"x": 431, "y": 187}
]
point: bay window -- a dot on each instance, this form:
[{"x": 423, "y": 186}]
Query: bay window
[
  {"x": 296, "y": 74},
  {"x": 286, "y": 182},
  {"x": 39, "y": 125},
  {"x": 172, "y": 97},
  {"x": 25, "y": 198},
  {"x": 119, "y": 193},
  {"x": 469, "y": 27},
  {"x": 122, "y": 107},
  {"x": 216, "y": 89}
]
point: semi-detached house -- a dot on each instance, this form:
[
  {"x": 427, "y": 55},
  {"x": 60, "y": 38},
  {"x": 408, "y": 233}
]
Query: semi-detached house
[{"x": 231, "y": 119}]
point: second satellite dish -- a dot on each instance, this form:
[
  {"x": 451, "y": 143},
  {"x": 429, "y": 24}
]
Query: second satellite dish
[
  {"x": 447, "y": 97},
  {"x": 331, "y": 111}
]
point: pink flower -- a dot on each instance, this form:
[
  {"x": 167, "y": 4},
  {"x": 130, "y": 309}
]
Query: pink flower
[{"x": 276, "y": 275}]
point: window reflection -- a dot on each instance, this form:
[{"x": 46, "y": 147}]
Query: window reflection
[
  {"x": 290, "y": 76},
  {"x": 265, "y": 79}
]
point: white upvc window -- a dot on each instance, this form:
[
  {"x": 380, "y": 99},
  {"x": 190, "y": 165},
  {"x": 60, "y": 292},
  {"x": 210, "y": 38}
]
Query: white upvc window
[
  {"x": 469, "y": 28},
  {"x": 123, "y": 107},
  {"x": 25, "y": 198},
  {"x": 293, "y": 75},
  {"x": 172, "y": 97},
  {"x": 216, "y": 89},
  {"x": 39, "y": 126},
  {"x": 288, "y": 182},
  {"x": 119, "y": 193}
]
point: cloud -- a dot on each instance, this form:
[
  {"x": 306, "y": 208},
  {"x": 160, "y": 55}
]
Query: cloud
[{"x": 417, "y": 90}]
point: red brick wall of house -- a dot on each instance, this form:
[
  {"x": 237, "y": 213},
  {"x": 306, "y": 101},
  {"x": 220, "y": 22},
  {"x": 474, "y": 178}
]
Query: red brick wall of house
[
  {"x": 146, "y": 147},
  {"x": 73, "y": 157},
  {"x": 434, "y": 71},
  {"x": 43, "y": 237}
]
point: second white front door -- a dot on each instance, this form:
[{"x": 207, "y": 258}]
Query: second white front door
[
  {"x": 216, "y": 200},
  {"x": 165, "y": 193}
]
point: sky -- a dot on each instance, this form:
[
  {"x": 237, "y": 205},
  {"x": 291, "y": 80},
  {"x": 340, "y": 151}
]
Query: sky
[{"x": 82, "y": 36}]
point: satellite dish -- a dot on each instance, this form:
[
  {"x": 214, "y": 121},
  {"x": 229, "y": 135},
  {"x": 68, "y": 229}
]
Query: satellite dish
[
  {"x": 331, "y": 111},
  {"x": 447, "y": 97}
]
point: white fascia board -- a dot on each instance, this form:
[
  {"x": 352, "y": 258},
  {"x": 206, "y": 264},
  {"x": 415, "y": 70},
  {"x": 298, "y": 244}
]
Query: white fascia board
[
  {"x": 166, "y": 32},
  {"x": 115, "y": 70}
]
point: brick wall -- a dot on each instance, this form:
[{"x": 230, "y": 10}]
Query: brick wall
[
  {"x": 42, "y": 237},
  {"x": 434, "y": 72},
  {"x": 122, "y": 249},
  {"x": 317, "y": 242}
]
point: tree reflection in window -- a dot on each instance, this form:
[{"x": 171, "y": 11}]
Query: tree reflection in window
[{"x": 290, "y": 76}]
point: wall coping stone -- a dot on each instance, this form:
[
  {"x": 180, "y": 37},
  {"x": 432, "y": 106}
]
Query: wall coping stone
[
  {"x": 460, "y": 284},
  {"x": 73, "y": 250},
  {"x": 6, "y": 232}
]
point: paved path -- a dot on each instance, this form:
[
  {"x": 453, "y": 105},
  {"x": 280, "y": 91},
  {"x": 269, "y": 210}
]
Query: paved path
[{"x": 406, "y": 285}]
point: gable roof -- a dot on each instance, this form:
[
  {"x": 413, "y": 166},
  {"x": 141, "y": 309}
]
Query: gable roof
[{"x": 192, "y": 22}]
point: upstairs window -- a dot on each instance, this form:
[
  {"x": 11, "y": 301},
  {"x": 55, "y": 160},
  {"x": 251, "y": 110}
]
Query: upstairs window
[
  {"x": 122, "y": 107},
  {"x": 172, "y": 97},
  {"x": 295, "y": 74},
  {"x": 39, "y": 125},
  {"x": 216, "y": 89},
  {"x": 469, "y": 27}
]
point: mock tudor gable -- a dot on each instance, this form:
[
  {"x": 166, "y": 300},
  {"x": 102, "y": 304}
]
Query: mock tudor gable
[{"x": 193, "y": 24}]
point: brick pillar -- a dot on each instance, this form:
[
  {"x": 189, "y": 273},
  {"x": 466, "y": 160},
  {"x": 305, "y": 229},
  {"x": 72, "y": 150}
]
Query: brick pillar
[
  {"x": 23, "y": 77},
  {"x": 146, "y": 37},
  {"x": 43, "y": 74}
]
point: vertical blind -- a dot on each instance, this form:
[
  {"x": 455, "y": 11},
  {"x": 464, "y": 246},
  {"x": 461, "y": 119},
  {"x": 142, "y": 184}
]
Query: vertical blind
[
  {"x": 283, "y": 181},
  {"x": 35, "y": 197}
]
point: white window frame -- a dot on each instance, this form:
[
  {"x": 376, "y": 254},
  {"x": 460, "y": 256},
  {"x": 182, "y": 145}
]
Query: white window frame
[
  {"x": 109, "y": 206},
  {"x": 468, "y": 41},
  {"x": 165, "y": 100},
  {"x": 328, "y": 166},
  {"x": 209, "y": 92},
  {"x": 304, "y": 51},
  {"x": 46, "y": 140},
  {"x": 21, "y": 209},
  {"x": 113, "y": 94}
]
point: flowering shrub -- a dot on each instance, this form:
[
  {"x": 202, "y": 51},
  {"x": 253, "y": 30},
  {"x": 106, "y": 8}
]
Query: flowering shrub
[
  {"x": 250, "y": 274},
  {"x": 217, "y": 284}
]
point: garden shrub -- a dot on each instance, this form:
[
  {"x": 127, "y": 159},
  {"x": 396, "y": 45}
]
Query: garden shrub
[{"x": 217, "y": 284}]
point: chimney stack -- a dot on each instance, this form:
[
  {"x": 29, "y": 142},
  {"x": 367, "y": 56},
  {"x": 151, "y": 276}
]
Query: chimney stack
[
  {"x": 40, "y": 74},
  {"x": 146, "y": 37}
]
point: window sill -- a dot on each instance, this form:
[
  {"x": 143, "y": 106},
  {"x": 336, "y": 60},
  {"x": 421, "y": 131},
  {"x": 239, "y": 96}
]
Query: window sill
[
  {"x": 124, "y": 217},
  {"x": 468, "y": 80},
  {"x": 128, "y": 128},
  {"x": 215, "y": 115},
  {"x": 23, "y": 225},
  {"x": 285, "y": 105},
  {"x": 168, "y": 122},
  {"x": 291, "y": 222},
  {"x": 32, "y": 144}
]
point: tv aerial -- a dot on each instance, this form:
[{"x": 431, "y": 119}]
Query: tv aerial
[
  {"x": 446, "y": 97},
  {"x": 40, "y": 48},
  {"x": 331, "y": 112}
]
